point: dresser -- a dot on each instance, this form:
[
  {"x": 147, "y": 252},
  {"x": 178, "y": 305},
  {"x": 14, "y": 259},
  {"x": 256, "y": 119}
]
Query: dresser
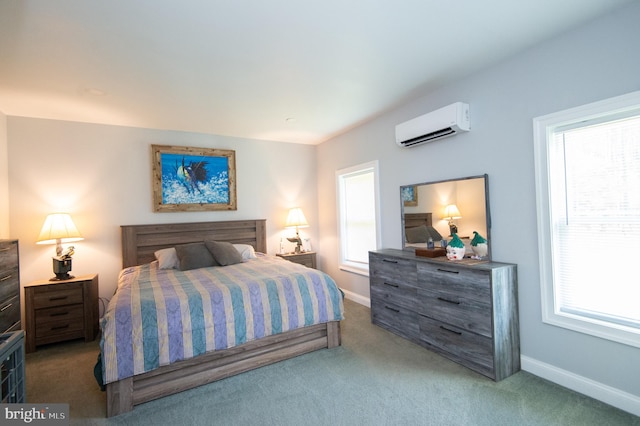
[
  {"x": 9, "y": 286},
  {"x": 307, "y": 258},
  {"x": 465, "y": 310},
  {"x": 56, "y": 311}
]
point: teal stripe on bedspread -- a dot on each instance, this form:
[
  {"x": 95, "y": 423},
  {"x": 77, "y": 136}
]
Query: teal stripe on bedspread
[{"x": 166, "y": 315}]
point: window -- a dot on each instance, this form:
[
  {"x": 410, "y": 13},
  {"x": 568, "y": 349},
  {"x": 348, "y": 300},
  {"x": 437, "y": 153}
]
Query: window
[
  {"x": 358, "y": 224},
  {"x": 588, "y": 197}
]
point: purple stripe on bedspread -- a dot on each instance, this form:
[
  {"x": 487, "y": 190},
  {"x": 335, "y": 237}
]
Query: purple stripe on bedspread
[
  {"x": 292, "y": 304},
  {"x": 258, "y": 310}
]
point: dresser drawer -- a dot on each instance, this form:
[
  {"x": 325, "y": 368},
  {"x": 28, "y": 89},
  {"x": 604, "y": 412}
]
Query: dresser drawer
[
  {"x": 397, "y": 319},
  {"x": 10, "y": 313},
  {"x": 392, "y": 269},
  {"x": 466, "y": 313},
  {"x": 475, "y": 350},
  {"x": 57, "y": 295},
  {"x": 8, "y": 255},
  {"x": 9, "y": 283},
  {"x": 450, "y": 280},
  {"x": 397, "y": 293}
]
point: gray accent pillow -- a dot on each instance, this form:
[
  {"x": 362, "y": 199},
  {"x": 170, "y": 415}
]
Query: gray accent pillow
[
  {"x": 419, "y": 234},
  {"x": 194, "y": 255},
  {"x": 433, "y": 233},
  {"x": 224, "y": 253}
]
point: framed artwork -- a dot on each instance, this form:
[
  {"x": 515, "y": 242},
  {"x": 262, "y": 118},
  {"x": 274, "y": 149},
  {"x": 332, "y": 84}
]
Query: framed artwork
[
  {"x": 410, "y": 195},
  {"x": 193, "y": 179}
]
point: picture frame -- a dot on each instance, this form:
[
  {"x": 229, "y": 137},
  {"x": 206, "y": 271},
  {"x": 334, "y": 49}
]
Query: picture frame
[
  {"x": 410, "y": 195},
  {"x": 193, "y": 179}
]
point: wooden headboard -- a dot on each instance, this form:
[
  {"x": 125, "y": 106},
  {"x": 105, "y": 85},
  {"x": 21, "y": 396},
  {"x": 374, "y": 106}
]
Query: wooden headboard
[
  {"x": 139, "y": 242},
  {"x": 411, "y": 220}
]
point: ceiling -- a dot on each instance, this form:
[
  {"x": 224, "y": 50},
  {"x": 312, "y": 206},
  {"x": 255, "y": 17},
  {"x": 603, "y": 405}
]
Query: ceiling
[{"x": 283, "y": 70}]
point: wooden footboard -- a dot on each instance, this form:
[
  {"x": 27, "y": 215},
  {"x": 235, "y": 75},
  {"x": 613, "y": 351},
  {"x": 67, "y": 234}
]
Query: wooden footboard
[{"x": 123, "y": 395}]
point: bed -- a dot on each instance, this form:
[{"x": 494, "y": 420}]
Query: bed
[{"x": 253, "y": 337}]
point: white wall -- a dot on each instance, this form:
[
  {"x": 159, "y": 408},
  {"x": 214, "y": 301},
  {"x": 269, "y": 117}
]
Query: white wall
[
  {"x": 597, "y": 61},
  {"x": 102, "y": 176},
  {"x": 4, "y": 179}
]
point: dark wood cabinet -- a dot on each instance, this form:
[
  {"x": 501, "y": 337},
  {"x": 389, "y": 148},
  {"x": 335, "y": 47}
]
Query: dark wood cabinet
[
  {"x": 9, "y": 286},
  {"x": 465, "y": 310},
  {"x": 56, "y": 311}
]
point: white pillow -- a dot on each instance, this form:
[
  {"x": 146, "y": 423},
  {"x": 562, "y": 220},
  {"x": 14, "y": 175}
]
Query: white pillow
[
  {"x": 167, "y": 258},
  {"x": 246, "y": 250}
]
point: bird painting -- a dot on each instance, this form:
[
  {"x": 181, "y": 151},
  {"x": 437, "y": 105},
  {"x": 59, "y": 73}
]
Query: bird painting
[{"x": 190, "y": 175}]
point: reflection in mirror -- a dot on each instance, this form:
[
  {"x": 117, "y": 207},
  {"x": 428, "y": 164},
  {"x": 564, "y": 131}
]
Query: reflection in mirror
[{"x": 442, "y": 207}]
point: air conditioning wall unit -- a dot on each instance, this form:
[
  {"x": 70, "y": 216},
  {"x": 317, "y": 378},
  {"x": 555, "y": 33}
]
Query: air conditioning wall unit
[{"x": 430, "y": 127}]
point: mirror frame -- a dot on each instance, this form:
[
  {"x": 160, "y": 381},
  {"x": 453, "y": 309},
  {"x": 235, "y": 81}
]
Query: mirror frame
[{"x": 485, "y": 176}]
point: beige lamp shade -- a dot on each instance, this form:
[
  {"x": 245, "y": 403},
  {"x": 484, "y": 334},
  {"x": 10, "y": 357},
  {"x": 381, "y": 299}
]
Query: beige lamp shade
[
  {"x": 451, "y": 212},
  {"x": 296, "y": 219},
  {"x": 58, "y": 228}
]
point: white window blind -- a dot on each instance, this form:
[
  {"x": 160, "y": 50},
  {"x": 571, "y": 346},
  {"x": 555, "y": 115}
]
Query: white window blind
[
  {"x": 594, "y": 206},
  {"x": 358, "y": 212}
]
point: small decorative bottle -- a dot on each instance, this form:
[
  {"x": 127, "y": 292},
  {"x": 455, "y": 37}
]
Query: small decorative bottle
[{"x": 430, "y": 244}]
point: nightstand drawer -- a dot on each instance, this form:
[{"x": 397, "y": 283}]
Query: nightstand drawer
[
  {"x": 57, "y": 295},
  {"x": 52, "y": 329},
  {"x": 306, "y": 260},
  {"x": 61, "y": 313}
]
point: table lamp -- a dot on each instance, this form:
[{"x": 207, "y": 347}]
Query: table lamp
[
  {"x": 58, "y": 228},
  {"x": 451, "y": 212},
  {"x": 296, "y": 220}
]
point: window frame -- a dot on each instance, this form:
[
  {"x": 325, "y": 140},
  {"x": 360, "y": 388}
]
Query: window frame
[
  {"x": 343, "y": 263},
  {"x": 543, "y": 129}
]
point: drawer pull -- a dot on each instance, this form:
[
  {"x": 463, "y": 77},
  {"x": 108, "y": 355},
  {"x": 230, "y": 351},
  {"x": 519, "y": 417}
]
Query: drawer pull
[
  {"x": 391, "y": 284},
  {"x": 389, "y": 261},
  {"x": 451, "y": 331},
  {"x": 448, "y": 271},
  {"x": 6, "y": 278},
  {"x": 60, "y": 327},
  {"x": 4, "y": 308},
  {"x": 392, "y": 309},
  {"x": 59, "y": 314},
  {"x": 449, "y": 301},
  {"x": 51, "y": 299}
]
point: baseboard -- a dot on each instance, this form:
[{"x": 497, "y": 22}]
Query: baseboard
[
  {"x": 607, "y": 394},
  {"x": 365, "y": 301}
]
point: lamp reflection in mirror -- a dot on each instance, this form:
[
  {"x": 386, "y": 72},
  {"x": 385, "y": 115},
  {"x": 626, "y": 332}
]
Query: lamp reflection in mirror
[
  {"x": 58, "y": 228},
  {"x": 451, "y": 212},
  {"x": 296, "y": 220}
]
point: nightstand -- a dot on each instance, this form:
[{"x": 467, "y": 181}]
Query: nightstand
[
  {"x": 56, "y": 311},
  {"x": 307, "y": 258}
]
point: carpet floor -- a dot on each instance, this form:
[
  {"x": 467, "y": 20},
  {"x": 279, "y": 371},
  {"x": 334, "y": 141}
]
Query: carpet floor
[{"x": 374, "y": 378}]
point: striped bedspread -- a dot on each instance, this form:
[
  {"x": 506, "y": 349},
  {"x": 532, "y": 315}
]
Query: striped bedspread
[{"x": 161, "y": 316}]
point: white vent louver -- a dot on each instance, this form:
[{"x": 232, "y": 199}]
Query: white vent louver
[{"x": 441, "y": 123}]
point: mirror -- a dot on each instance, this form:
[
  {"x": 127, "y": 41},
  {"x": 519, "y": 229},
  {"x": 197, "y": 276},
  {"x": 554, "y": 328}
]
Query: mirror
[{"x": 460, "y": 205}]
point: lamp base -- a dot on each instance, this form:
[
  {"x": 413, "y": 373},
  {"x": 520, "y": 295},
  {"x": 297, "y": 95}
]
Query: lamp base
[{"x": 61, "y": 267}]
